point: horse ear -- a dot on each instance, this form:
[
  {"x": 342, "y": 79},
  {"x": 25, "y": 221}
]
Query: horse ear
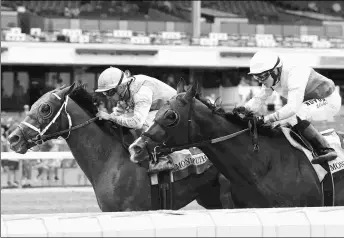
[
  {"x": 127, "y": 73},
  {"x": 180, "y": 86},
  {"x": 68, "y": 90},
  {"x": 191, "y": 91},
  {"x": 62, "y": 87}
]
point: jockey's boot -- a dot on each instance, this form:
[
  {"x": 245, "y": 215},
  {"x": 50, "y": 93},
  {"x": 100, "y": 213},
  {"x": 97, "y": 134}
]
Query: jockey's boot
[{"x": 323, "y": 151}]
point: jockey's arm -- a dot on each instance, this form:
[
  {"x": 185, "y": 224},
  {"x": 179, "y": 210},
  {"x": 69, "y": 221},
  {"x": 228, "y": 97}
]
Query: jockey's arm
[
  {"x": 297, "y": 82},
  {"x": 119, "y": 109},
  {"x": 142, "y": 101},
  {"x": 256, "y": 103}
]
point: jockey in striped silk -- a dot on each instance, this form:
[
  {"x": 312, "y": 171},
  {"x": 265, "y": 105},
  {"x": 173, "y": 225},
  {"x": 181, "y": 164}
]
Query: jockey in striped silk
[{"x": 138, "y": 97}]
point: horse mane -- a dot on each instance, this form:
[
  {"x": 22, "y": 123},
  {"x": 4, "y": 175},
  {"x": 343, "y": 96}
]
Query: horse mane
[
  {"x": 88, "y": 102},
  {"x": 240, "y": 116}
]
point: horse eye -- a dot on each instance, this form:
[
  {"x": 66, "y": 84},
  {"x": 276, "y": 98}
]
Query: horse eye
[
  {"x": 171, "y": 116},
  {"x": 45, "y": 109}
]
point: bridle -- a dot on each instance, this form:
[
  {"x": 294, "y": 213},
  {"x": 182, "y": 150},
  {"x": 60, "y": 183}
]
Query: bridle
[
  {"x": 41, "y": 137},
  {"x": 157, "y": 149},
  {"x": 163, "y": 149}
]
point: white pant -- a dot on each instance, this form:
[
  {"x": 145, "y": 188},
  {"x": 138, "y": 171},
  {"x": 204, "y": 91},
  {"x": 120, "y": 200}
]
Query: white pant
[{"x": 317, "y": 109}]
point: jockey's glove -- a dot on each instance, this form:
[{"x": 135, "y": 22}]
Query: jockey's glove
[
  {"x": 240, "y": 109},
  {"x": 260, "y": 120},
  {"x": 117, "y": 111}
]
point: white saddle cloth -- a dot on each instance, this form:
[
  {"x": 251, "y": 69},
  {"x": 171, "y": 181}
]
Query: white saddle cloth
[{"x": 333, "y": 139}]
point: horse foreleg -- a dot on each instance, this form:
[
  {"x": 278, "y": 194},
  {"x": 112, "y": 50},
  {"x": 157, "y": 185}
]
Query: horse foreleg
[
  {"x": 217, "y": 195},
  {"x": 225, "y": 193}
]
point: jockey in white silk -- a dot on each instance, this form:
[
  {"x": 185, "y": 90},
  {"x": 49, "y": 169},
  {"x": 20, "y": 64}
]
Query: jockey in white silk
[
  {"x": 310, "y": 96},
  {"x": 138, "y": 97}
]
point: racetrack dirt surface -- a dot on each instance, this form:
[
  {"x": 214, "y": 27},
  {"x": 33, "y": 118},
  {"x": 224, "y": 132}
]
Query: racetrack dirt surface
[{"x": 54, "y": 200}]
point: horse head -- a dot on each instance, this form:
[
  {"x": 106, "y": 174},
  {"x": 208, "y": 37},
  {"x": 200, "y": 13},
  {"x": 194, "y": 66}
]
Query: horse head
[
  {"x": 47, "y": 115},
  {"x": 173, "y": 125}
]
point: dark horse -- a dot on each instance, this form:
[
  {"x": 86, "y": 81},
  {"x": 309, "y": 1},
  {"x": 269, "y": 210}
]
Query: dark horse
[
  {"x": 119, "y": 184},
  {"x": 278, "y": 175}
]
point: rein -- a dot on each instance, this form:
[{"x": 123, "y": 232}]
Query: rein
[{"x": 163, "y": 150}]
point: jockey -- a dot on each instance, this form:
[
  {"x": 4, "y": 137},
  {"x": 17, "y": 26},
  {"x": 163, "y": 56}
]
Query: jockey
[
  {"x": 138, "y": 97},
  {"x": 310, "y": 96}
]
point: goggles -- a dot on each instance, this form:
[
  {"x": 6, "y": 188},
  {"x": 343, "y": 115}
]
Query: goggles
[
  {"x": 262, "y": 77},
  {"x": 110, "y": 92}
]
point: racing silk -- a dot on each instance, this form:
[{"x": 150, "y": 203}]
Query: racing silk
[
  {"x": 147, "y": 94},
  {"x": 297, "y": 84}
]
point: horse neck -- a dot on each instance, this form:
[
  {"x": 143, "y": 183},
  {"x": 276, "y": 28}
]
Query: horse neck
[
  {"x": 90, "y": 146},
  {"x": 232, "y": 155}
]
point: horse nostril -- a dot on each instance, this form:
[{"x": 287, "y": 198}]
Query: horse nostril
[
  {"x": 14, "y": 139},
  {"x": 137, "y": 149}
]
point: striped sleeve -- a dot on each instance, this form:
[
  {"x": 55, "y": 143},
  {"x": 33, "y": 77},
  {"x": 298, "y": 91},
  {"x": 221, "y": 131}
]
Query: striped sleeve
[{"x": 142, "y": 104}]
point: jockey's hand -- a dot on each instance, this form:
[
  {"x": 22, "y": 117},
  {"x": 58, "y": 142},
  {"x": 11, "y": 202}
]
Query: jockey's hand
[
  {"x": 122, "y": 104},
  {"x": 260, "y": 120},
  {"x": 118, "y": 111},
  {"x": 103, "y": 115},
  {"x": 102, "y": 108},
  {"x": 240, "y": 109}
]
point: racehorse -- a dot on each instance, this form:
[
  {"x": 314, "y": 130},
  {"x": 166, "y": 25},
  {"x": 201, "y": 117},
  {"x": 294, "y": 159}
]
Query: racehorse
[
  {"x": 277, "y": 175},
  {"x": 119, "y": 184}
]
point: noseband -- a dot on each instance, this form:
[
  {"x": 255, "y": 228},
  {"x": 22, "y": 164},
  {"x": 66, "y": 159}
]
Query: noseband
[{"x": 41, "y": 137}]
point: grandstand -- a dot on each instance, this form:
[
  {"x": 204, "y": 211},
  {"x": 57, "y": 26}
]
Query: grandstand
[
  {"x": 240, "y": 24},
  {"x": 224, "y": 23}
]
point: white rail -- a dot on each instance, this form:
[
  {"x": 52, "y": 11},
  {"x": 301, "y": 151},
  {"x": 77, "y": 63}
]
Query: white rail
[
  {"x": 36, "y": 155},
  {"x": 275, "y": 222}
]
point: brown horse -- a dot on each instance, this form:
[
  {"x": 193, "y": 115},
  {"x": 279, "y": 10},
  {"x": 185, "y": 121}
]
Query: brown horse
[
  {"x": 119, "y": 184},
  {"x": 278, "y": 175}
]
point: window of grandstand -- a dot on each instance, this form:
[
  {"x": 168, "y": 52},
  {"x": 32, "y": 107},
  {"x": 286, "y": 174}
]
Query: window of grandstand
[
  {"x": 14, "y": 90},
  {"x": 86, "y": 78},
  {"x": 57, "y": 79},
  {"x": 209, "y": 78}
]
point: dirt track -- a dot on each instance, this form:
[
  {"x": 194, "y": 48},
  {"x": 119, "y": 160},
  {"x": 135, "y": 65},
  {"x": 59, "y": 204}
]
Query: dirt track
[{"x": 53, "y": 200}]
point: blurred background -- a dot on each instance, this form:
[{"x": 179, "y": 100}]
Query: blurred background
[{"x": 45, "y": 44}]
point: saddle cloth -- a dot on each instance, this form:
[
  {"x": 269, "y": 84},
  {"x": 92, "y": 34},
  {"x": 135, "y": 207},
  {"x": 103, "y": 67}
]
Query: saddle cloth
[
  {"x": 333, "y": 139},
  {"x": 186, "y": 162}
]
